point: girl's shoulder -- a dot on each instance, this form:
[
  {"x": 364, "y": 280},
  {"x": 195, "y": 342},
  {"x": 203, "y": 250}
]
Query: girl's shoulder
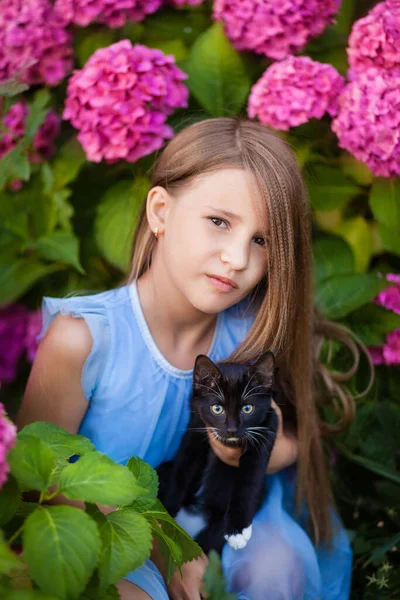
[{"x": 97, "y": 310}]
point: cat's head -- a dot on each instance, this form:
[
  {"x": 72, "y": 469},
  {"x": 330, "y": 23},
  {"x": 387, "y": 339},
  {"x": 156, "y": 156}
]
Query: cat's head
[{"x": 234, "y": 400}]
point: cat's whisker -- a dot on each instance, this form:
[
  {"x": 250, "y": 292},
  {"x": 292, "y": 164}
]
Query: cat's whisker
[
  {"x": 247, "y": 384},
  {"x": 258, "y": 387}
]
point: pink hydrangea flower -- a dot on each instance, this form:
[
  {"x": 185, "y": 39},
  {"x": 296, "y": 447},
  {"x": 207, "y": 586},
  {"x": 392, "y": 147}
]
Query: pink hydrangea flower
[
  {"x": 34, "y": 44},
  {"x": 390, "y": 298},
  {"x": 120, "y": 101},
  {"x": 368, "y": 122},
  {"x": 8, "y": 437},
  {"x": 293, "y": 91},
  {"x": 13, "y": 326},
  {"x": 34, "y": 327},
  {"x": 391, "y": 349},
  {"x": 114, "y": 13},
  {"x": 275, "y": 28},
  {"x": 15, "y": 121},
  {"x": 374, "y": 40}
]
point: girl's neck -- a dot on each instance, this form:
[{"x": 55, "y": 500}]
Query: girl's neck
[{"x": 179, "y": 330}]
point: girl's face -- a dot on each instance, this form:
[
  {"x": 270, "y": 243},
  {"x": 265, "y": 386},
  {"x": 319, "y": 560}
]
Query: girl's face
[{"x": 214, "y": 245}]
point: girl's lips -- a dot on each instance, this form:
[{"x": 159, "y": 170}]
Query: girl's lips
[{"x": 221, "y": 285}]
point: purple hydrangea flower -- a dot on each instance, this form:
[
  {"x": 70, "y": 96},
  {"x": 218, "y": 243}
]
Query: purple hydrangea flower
[
  {"x": 114, "y": 13},
  {"x": 368, "y": 122},
  {"x": 374, "y": 40},
  {"x": 390, "y": 298},
  {"x": 13, "y": 326},
  {"x": 8, "y": 437},
  {"x": 275, "y": 28},
  {"x": 120, "y": 101},
  {"x": 293, "y": 91},
  {"x": 15, "y": 122},
  {"x": 35, "y": 47},
  {"x": 34, "y": 327}
]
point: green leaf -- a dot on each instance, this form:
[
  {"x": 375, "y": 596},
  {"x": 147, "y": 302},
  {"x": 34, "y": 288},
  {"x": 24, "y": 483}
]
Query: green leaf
[
  {"x": 177, "y": 538},
  {"x": 381, "y": 551},
  {"x": 12, "y": 87},
  {"x": 358, "y": 233},
  {"x": 68, "y": 162},
  {"x": 8, "y": 559},
  {"x": 384, "y": 201},
  {"x": 372, "y": 323},
  {"x": 97, "y": 478},
  {"x": 146, "y": 476},
  {"x": 214, "y": 583},
  {"x": 92, "y": 591},
  {"x": 63, "y": 444},
  {"x": 9, "y": 500},
  {"x": 60, "y": 246},
  {"x": 170, "y": 24},
  {"x": 93, "y": 41},
  {"x": 217, "y": 75},
  {"x": 332, "y": 256},
  {"x": 371, "y": 465},
  {"x": 175, "y": 47},
  {"x": 37, "y": 112},
  {"x": 115, "y": 221},
  {"x": 32, "y": 463},
  {"x": 355, "y": 169},
  {"x": 64, "y": 209},
  {"x": 62, "y": 541},
  {"x": 390, "y": 240},
  {"x": 329, "y": 188},
  {"x": 19, "y": 276},
  {"x": 14, "y": 165},
  {"x": 126, "y": 543},
  {"x": 13, "y": 216},
  {"x": 27, "y": 595},
  {"x": 338, "y": 296}
]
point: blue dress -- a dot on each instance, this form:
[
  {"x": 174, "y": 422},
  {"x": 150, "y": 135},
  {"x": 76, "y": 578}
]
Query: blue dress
[{"x": 138, "y": 406}]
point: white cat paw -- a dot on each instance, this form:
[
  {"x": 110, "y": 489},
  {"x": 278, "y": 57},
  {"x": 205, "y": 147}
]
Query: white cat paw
[{"x": 237, "y": 541}]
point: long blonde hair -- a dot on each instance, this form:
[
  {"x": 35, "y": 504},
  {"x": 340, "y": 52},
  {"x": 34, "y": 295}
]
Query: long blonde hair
[{"x": 286, "y": 321}]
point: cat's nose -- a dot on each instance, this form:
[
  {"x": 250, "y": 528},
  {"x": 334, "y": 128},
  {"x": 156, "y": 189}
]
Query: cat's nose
[{"x": 232, "y": 431}]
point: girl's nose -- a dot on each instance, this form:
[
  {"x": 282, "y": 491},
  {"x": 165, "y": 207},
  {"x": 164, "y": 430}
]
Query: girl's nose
[{"x": 236, "y": 255}]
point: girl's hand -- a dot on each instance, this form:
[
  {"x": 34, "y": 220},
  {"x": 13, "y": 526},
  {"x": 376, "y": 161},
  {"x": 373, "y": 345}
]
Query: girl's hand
[
  {"x": 284, "y": 452},
  {"x": 189, "y": 587}
]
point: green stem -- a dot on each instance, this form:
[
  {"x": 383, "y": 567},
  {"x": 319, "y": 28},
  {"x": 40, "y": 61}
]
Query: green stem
[
  {"x": 15, "y": 535},
  {"x": 50, "y": 496}
]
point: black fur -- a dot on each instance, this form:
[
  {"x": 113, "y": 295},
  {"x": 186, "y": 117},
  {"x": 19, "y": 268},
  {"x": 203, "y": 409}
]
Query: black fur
[{"x": 227, "y": 496}]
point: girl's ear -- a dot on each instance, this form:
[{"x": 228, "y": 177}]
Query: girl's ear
[
  {"x": 157, "y": 207},
  {"x": 206, "y": 375}
]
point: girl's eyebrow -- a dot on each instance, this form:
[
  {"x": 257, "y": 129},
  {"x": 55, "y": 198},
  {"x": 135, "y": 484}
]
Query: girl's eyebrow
[{"x": 226, "y": 213}]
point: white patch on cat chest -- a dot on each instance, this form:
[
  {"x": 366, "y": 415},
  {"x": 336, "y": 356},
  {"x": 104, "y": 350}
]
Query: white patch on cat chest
[{"x": 237, "y": 541}]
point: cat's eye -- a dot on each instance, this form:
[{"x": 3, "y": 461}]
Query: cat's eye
[
  {"x": 247, "y": 409},
  {"x": 217, "y": 409}
]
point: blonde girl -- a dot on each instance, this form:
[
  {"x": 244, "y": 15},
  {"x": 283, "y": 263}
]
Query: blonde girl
[{"x": 221, "y": 265}]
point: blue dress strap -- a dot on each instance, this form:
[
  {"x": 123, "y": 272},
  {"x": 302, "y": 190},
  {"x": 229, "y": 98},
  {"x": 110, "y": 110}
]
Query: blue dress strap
[{"x": 93, "y": 310}]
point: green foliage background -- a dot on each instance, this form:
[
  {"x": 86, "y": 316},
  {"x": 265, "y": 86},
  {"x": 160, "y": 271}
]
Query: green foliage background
[{"x": 70, "y": 228}]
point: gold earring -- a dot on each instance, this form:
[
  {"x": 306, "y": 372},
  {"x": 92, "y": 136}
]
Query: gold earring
[{"x": 156, "y": 232}]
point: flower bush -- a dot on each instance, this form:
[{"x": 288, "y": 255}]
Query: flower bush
[
  {"x": 113, "y": 13},
  {"x": 374, "y": 40},
  {"x": 293, "y": 91},
  {"x": 8, "y": 438},
  {"x": 34, "y": 43},
  {"x": 120, "y": 101},
  {"x": 368, "y": 122},
  {"x": 272, "y": 27},
  {"x": 14, "y": 123}
]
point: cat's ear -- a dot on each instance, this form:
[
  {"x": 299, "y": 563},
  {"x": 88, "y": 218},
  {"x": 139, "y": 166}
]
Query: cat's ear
[
  {"x": 265, "y": 368},
  {"x": 205, "y": 374}
]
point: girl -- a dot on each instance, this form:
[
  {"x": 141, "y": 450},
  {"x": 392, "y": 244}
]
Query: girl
[{"x": 221, "y": 265}]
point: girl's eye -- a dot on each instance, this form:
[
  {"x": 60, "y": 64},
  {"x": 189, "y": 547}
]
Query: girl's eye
[
  {"x": 247, "y": 409},
  {"x": 217, "y": 409},
  {"x": 260, "y": 241},
  {"x": 218, "y": 222}
]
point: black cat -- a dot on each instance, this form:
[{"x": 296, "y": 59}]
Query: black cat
[{"x": 234, "y": 402}]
